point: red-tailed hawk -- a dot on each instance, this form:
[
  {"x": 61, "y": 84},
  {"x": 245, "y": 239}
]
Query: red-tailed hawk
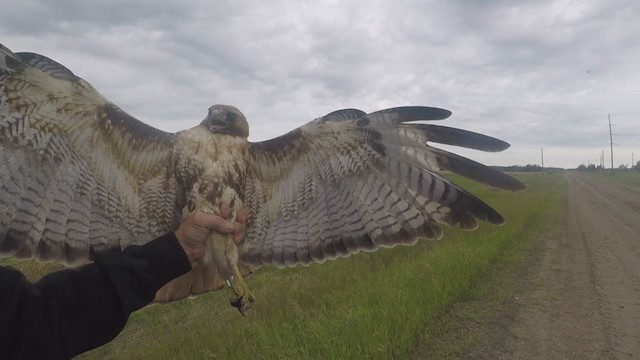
[{"x": 78, "y": 173}]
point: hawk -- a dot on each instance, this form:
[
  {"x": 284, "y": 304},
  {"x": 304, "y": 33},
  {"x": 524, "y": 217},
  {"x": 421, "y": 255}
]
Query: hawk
[{"x": 78, "y": 174}]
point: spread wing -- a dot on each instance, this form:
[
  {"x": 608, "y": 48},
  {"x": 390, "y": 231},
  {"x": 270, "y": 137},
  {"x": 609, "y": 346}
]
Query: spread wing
[
  {"x": 351, "y": 181},
  {"x": 75, "y": 170}
]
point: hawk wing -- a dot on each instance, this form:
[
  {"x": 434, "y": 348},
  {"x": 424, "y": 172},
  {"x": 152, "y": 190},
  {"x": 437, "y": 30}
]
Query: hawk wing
[
  {"x": 75, "y": 170},
  {"x": 351, "y": 181}
]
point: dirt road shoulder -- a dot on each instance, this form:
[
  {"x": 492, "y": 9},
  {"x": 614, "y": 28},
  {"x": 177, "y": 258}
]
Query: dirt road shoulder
[{"x": 576, "y": 296}]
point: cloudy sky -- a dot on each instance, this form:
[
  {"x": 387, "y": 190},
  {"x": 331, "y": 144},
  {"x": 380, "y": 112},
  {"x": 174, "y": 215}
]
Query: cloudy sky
[{"x": 538, "y": 74}]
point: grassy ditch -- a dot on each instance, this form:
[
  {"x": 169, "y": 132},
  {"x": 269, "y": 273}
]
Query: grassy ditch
[
  {"x": 477, "y": 323},
  {"x": 628, "y": 178},
  {"x": 381, "y": 305}
]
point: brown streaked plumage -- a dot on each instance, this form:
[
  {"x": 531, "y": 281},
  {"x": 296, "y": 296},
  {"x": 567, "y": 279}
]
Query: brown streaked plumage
[{"x": 78, "y": 173}]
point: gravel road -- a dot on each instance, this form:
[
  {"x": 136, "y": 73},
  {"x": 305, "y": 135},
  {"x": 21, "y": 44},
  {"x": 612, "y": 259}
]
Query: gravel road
[{"x": 581, "y": 298}]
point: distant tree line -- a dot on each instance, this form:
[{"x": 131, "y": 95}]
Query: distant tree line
[
  {"x": 590, "y": 167},
  {"x": 593, "y": 167},
  {"x": 527, "y": 168}
]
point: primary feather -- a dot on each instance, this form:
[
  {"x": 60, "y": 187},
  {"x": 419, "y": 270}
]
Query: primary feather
[{"x": 77, "y": 172}]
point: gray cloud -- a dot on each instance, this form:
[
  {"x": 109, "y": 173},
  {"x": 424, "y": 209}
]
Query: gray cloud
[{"x": 535, "y": 73}]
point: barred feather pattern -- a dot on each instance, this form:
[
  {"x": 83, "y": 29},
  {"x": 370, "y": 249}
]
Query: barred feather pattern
[
  {"x": 77, "y": 172},
  {"x": 351, "y": 182},
  {"x": 74, "y": 172}
]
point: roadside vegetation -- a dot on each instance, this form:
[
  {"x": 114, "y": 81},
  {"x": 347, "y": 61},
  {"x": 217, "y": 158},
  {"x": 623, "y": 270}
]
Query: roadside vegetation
[
  {"x": 477, "y": 324},
  {"x": 628, "y": 178},
  {"x": 387, "y": 304}
]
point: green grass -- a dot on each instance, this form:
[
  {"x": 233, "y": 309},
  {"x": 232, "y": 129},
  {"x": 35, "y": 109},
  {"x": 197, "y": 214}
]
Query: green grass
[
  {"x": 371, "y": 305},
  {"x": 31, "y": 269},
  {"x": 628, "y": 178},
  {"x": 476, "y": 322}
]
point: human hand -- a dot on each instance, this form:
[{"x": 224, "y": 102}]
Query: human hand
[{"x": 193, "y": 232}]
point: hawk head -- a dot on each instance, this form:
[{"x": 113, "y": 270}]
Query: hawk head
[{"x": 226, "y": 119}]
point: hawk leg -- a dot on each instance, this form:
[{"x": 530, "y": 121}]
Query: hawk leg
[
  {"x": 243, "y": 298},
  {"x": 224, "y": 251}
]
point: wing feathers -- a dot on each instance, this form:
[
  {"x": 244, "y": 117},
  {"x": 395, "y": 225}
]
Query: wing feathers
[
  {"x": 476, "y": 171},
  {"x": 47, "y": 66},
  {"x": 413, "y": 169},
  {"x": 458, "y": 137},
  {"x": 342, "y": 115},
  {"x": 402, "y": 114},
  {"x": 11, "y": 190},
  {"x": 351, "y": 182},
  {"x": 413, "y": 151},
  {"x": 76, "y": 171}
]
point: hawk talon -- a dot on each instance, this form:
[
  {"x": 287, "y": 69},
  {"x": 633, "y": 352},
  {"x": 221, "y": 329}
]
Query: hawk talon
[
  {"x": 236, "y": 302},
  {"x": 242, "y": 303}
]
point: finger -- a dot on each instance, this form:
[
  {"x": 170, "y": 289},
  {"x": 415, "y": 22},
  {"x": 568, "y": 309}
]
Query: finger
[
  {"x": 225, "y": 210},
  {"x": 214, "y": 222},
  {"x": 238, "y": 228},
  {"x": 237, "y": 238},
  {"x": 242, "y": 216}
]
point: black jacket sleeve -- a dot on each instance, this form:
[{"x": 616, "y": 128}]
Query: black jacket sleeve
[{"x": 71, "y": 311}]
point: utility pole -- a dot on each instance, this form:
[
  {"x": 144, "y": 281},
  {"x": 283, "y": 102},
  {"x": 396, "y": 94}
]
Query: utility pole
[
  {"x": 542, "y": 157},
  {"x": 611, "y": 140}
]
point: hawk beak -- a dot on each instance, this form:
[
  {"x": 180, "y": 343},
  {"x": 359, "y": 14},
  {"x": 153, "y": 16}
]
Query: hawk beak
[{"x": 217, "y": 124}]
